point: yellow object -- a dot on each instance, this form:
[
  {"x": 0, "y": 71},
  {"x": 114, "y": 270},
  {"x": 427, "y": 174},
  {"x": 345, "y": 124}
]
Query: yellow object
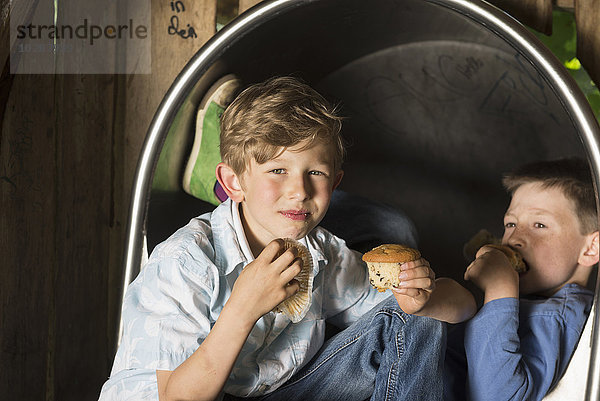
[{"x": 573, "y": 64}]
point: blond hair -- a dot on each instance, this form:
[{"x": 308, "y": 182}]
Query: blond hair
[
  {"x": 571, "y": 175},
  {"x": 273, "y": 115}
]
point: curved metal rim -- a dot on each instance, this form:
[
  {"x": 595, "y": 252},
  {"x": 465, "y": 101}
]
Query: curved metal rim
[{"x": 482, "y": 13}]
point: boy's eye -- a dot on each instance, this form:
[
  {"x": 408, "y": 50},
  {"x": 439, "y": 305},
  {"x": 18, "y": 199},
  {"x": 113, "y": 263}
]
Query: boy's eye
[
  {"x": 509, "y": 225},
  {"x": 315, "y": 172},
  {"x": 278, "y": 171},
  {"x": 539, "y": 225}
]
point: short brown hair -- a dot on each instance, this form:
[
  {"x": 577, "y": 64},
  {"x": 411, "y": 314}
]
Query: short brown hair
[
  {"x": 277, "y": 113},
  {"x": 571, "y": 175}
]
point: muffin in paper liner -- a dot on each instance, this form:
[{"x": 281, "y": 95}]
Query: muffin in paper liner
[{"x": 296, "y": 306}]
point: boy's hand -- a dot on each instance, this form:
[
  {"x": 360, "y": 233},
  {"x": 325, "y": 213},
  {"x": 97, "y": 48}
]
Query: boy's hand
[
  {"x": 417, "y": 283},
  {"x": 266, "y": 282},
  {"x": 492, "y": 272}
]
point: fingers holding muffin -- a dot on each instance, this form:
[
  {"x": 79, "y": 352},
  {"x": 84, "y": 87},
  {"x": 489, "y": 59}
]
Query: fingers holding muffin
[
  {"x": 402, "y": 269},
  {"x": 415, "y": 286}
]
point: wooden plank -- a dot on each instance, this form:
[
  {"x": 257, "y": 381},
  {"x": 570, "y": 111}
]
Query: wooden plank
[
  {"x": 88, "y": 193},
  {"x": 84, "y": 157},
  {"x": 84, "y": 142},
  {"x": 587, "y": 15},
  {"x": 565, "y": 4},
  {"x": 69, "y": 145},
  {"x": 4, "y": 34},
  {"x": 246, "y": 4},
  {"x": 21, "y": 11},
  {"x": 58, "y": 228},
  {"x": 28, "y": 242},
  {"x": 5, "y": 77},
  {"x": 535, "y": 13}
]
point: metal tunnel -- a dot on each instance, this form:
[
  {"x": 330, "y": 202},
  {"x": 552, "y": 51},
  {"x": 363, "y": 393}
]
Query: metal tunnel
[{"x": 440, "y": 98}]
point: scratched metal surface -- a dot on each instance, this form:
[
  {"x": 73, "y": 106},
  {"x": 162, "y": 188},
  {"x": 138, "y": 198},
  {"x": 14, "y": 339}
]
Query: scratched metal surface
[
  {"x": 434, "y": 124},
  {"x": 438, "y": 107}
]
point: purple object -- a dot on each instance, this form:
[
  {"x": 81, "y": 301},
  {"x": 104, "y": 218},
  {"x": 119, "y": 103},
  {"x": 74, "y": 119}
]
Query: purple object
[{"x": 220, "y": 192}]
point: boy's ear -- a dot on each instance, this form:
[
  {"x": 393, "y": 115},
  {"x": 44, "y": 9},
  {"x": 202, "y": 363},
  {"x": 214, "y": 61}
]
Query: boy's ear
[
  {"x": 230, "y": 182},
  {"x": 337, "y": 179},
  {"x": 590, "y": 254}
]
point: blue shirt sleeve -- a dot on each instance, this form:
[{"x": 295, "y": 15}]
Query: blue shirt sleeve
[{"x": 506, "y": 364}]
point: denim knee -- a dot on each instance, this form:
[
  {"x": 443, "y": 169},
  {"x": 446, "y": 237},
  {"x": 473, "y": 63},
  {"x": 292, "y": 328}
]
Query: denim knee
[
  {"x": 412, "y": 355},
  {"x": 434, "y": 329}
]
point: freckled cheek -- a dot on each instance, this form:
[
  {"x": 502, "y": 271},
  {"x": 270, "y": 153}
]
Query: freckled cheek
[
  {"x": 541, "y": 252},
  {"x": 550, "y": 254}
]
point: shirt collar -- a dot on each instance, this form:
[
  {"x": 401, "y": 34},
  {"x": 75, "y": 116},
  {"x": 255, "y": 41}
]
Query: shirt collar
[
  {"x": 239, "y": 232},
  {"x": 231, "y": 244}
]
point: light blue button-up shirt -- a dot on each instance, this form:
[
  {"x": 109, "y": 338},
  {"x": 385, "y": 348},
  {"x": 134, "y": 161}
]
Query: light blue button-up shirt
[{"x": 176, "y": 299}]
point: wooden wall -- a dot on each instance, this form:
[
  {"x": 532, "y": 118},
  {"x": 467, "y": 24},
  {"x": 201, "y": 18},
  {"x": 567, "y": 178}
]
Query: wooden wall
[{"x": 68, "y": 149}]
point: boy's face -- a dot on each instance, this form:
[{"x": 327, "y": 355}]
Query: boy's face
[
  {"x": 288, "y": 195},
  {"x": 542, "y": 225}
]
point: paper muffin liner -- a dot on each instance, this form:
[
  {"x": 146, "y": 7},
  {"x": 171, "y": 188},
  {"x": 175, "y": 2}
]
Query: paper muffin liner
[{"x": 296, "y": 306}]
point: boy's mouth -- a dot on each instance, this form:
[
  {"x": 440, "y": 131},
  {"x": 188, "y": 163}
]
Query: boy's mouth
[{"x": 298, "y": 215}]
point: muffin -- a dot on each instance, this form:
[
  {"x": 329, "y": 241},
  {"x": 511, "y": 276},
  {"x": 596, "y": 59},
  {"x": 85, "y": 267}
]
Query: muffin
[
  {"x": 296, "y": 306},
  {"x": 384, "y": 264},
  {"x": 481, "y": 238},
  {"x": 514, "y": 257},
  {"x": 484, "y": 237}
]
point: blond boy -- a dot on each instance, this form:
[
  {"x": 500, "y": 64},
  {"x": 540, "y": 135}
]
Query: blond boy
[
  {"x": 199, "y": 319},
  {"x": 519, "y": 343}
]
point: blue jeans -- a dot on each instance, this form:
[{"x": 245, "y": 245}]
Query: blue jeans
[{"x": 385, "y": 355}]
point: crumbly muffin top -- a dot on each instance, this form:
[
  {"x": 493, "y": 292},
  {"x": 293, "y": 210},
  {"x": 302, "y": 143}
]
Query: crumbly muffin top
[
  {"x": 515, "y": 258},
  {"x": 391, "y": 253}
]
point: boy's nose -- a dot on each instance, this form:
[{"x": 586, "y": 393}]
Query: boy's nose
[
  {"x": 516, "y": 238},
  {"x": 298, "y": 188}
]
